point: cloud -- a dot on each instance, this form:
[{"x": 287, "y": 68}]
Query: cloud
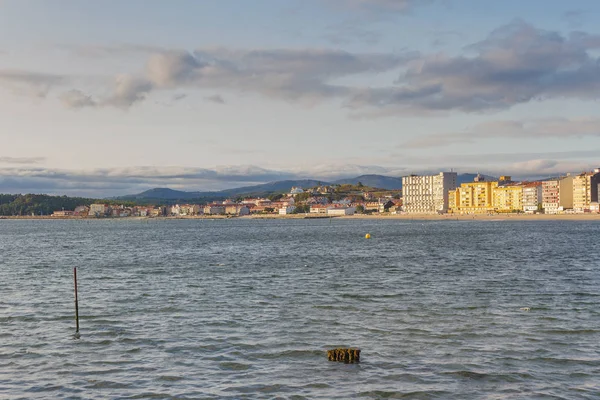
[
  {"x": 382, "y": 5},
  {"x": 292, "y": 75},
  {"x": 574, "y": 18},
  {"x": 544, "y": 128},
  {"x": 216, "y": 98},
  {"x": 127, "y": 90},
  {"x": 351, "y": 31},
  {"x": 119, "y": 181},
  {"x": 22, "y": 160},
  {"x": 76, "y": 99},
  {"x": 173, "y": 68},
  {"x": 29, "y": 83},
  {"x": 515, "y": 64}
]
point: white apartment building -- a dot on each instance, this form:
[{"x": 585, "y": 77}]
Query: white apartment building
[
  {"x": 287, "y": 210},
  {"x": 532, "y": 197},
  {"x": 427, "y": 194}
]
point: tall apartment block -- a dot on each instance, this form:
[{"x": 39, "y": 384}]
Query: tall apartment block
[{"x": 427, "y": 194}]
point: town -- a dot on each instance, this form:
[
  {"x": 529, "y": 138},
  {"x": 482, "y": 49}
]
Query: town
[
  {"x": 325, "y": 201},
  {"x": 420, "y": 194}
]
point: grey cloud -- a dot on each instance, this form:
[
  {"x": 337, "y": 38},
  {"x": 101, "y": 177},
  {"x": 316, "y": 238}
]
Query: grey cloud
[
  {"x": 118, "y": 181},
  {"x": 574, "y": 18},
  {"x": 517, "y": 63},
  {"x": 173, "y": 68},
  {"x": 351, "y": 31},
  {"x": 29, "y": 83},
  {"x": 294, "y": 75},
  {"x": 128, "y": 90},
  {"x": 22, "y": 160},
  {"x": 179, "y": 96},
  {"x": 560, "y": 128},
  {"x": 103, "y": 51},
  {"x": 490, "y": 161},
  {"x": 383, "y": 5},
  {"x": 216, "y": 98},
  {"x": 76, "y": 99}
]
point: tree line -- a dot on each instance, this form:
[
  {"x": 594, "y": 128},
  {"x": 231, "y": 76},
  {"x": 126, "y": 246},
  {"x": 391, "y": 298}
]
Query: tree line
[{"x": 42, "y": 204}]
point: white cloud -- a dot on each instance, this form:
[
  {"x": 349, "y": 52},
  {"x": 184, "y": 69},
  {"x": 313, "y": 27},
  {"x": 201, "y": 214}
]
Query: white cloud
[{"x": 559, "y": 128}]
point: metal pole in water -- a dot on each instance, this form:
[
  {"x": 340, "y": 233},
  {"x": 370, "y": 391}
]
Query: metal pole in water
[{"x": 76, "y": 301}]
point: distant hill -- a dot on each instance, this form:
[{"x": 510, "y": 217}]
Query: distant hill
[
  {"x": 376, "y": 181},
  {"x": 170, "y": 195},
  {"x": 163, "y": 193},
  {"x": 167, "y": 195},
  {"x": 272, "y": 187}
]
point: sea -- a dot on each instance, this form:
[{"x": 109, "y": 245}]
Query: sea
[{"x": 247, "y": 308}]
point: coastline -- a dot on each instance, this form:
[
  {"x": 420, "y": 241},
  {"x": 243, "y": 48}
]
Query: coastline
[{"x": 420, "y": 217}]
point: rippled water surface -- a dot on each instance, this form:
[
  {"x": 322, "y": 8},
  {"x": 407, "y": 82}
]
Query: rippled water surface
[{"x": 247, "y": 308}]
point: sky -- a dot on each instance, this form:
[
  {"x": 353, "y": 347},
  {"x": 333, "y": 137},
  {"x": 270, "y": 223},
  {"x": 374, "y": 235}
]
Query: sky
[{"x": 112, "y": 97}]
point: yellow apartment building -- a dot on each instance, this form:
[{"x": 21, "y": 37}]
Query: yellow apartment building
[
  {"x": 508, "y": 198},
  {"x": 473, "y": 197}
]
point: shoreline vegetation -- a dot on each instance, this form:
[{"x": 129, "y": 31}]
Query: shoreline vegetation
[{"x": 421, "y": 217}]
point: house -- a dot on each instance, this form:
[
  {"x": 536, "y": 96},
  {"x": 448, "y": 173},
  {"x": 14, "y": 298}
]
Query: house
[
  {"x": 81, "y": 210},
  {"x": 99, "y": 210},
  {"x": 385, "y": 205},
  {"x": 287, "y": 210},
  {"x": 296, "y": 190},
  {"x": 236, "y": 209},
  {"x": 341, "y": 211},
  {"x": 214, "y": 209},
  {"x": 63, "y": 213},
  {"x": 157, "y": 211},
  {"x": 318, "y": 209}
]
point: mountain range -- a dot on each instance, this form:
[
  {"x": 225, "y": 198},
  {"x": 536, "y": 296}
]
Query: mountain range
[{"x": 375, "y": 181}]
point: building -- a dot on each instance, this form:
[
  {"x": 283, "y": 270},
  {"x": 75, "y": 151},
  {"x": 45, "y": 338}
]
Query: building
[
  {"x": 63, "y": 213},
  {"x": 296, "y": 190},
  {"x": 532, "y": 197},
  {"x": 99, "y": 210},
  {"x": 156, "y": 212},
  {"x": 508, "y": 198},
  {"x": 214, "y": 209},
  {"x": 82, "y": 210},
  {"x": 585, "y": 190},
  {"x": 237, "y": 209},
  {"x": 341, "y": 211},
  {"x": 557, "y": 195},
  {"x": 318, "y": 209},
  {"x": 427, "y": 194},
  {"x": 472, "y": 197},
  {"x": 287, "y": 210}
]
